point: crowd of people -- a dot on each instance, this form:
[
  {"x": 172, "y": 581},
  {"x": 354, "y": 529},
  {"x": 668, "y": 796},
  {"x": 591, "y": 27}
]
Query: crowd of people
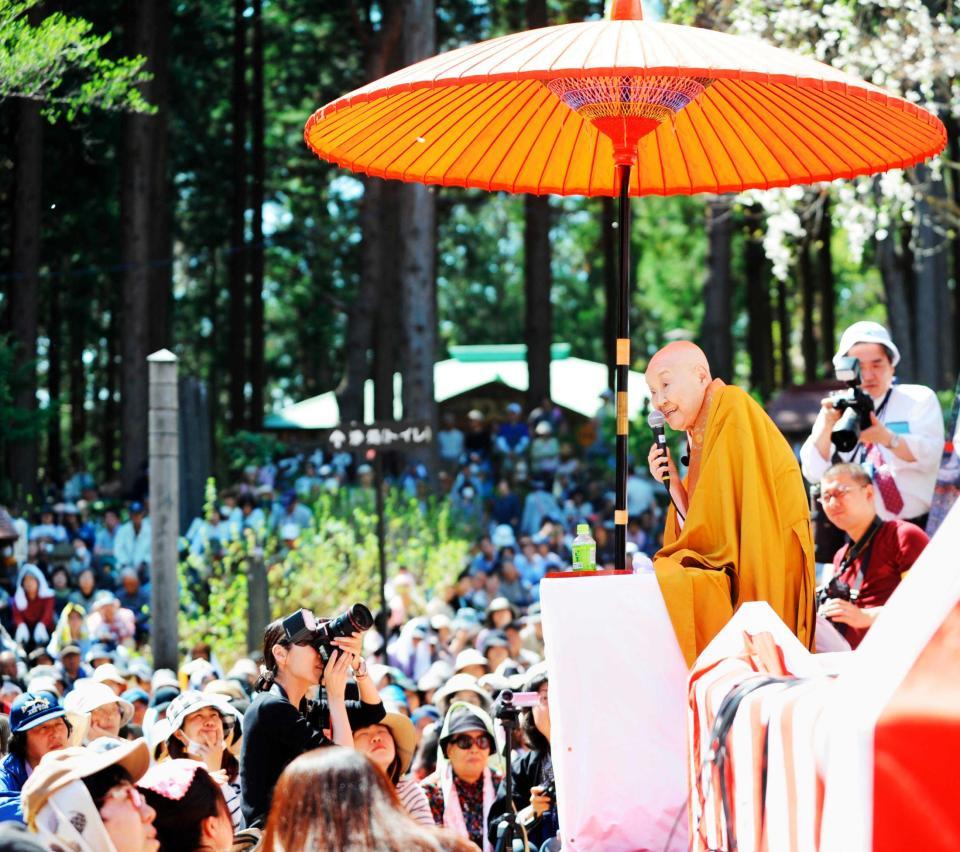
[
  {"x": 215, "y": 756},
  {"x": 76, "y": 679}
]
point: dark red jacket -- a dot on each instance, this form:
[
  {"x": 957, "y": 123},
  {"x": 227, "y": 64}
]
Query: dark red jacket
[
  {"x": 38, "y": 610},
  {"x": 889, "y": 555}
]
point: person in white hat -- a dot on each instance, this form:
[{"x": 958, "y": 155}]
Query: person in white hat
[
  {"x": 904, "y": 443},
  {"x": 96, "y": 702}
]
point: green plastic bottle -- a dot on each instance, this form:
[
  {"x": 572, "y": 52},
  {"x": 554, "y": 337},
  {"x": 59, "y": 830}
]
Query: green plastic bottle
[{"x": 584, "y": 550}]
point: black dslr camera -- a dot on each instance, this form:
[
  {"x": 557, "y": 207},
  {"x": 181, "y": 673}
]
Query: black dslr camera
[
  {"x": 856, "y": 405},
  {"x": 303, "y": 628},
  {"x": 836, "y": 589}
]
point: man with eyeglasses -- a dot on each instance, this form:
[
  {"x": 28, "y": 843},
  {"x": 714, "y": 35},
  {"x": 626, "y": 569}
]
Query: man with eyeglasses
[{"x": 874, "y": 558}]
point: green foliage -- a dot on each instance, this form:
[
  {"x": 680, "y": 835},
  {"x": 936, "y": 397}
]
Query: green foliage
[
  {"x": 60, "y": 62},
  {"x": 250, "y": 448},
  {"x": 335, "y": 564}
]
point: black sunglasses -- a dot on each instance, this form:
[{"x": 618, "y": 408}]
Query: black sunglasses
[{"x": 465, "y": 741}]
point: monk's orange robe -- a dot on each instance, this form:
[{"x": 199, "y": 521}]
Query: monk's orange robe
[{"x": 747, "y": 533}]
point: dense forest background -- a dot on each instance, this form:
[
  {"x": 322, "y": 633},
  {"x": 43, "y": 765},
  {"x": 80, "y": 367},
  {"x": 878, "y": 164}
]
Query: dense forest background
[{"x": 208, "y": 228}]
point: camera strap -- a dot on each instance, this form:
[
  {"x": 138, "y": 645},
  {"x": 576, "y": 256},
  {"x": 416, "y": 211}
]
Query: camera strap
[
  {"x": 860, "y": 450},
  {"x": 855, "y": 550}
]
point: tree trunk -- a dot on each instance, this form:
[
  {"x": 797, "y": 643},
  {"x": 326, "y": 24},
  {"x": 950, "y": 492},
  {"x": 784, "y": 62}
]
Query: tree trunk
[
  {"x": 418, "y": 237},
  {"x": 892, "y": 273},
  {"x": 538, "y": 327},
  {"x": 363, "y": 311},
  {"x": 161, "y": 247},
  {"x": 54, "y": 467},
  {"x": 23, "y": 456},
  {"x": 783, "y": 325},
  {"x": 808, "y": 342},
  {"x": 378, "y": 258},
  {"x": 389, "y": 307},
  {"x": 78, "y": 381},
  {"x": 828, "y": 332},
  {"x": 931, "y": 271},
  {"x": 938, "y": 259},
  {"x": 139, "y": 220},
  {"x": 111, "y": 412},
  {"x": 716, "y": 330},
  {"x": 257, "y": 372},
  {"x": 236, "y": 354},
  {"x": 760, "y": 334},
  {"x": 215, "y": 355},
  {"x": 608, "y": 247}
]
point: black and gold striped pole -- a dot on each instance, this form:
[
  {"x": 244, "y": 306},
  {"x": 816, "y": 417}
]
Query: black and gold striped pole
[{"x": 623, "y": 372}]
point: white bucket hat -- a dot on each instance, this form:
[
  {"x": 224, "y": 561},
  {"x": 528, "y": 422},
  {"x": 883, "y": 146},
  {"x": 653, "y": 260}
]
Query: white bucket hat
[{"x": 866, "y": 331}]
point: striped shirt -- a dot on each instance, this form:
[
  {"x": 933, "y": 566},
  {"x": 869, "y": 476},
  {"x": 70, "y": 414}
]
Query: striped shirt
[
  {"x": 232, "y": 795},
  {"x": 414, "y": 801}
]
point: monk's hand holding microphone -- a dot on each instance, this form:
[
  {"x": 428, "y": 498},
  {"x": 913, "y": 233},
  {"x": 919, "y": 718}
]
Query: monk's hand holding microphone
[{"x": 661, "y": 464}]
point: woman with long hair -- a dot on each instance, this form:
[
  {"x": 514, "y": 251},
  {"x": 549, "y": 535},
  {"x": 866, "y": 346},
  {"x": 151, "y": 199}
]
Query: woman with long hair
[
  {"x": 337, "y": 800},
  {"x": 463, "y": 788},
  {"x": 282, "y": 724},
  {"x": 390, "y": 745}
]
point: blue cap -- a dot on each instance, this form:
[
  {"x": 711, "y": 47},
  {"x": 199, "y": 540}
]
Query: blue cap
[
  {"x": 428, "y": 711},
  {"x": 136, "y": 694},
  {"x": 394, "y": 693},
  {"x": 136, "y": 508},
  {"x": 32, "y": 709},
  {"x": 100, "y": 651}
]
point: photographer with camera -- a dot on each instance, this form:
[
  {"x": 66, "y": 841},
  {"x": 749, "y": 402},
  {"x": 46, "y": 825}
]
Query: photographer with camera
[
  {"x": 301, "y": 653},
  {"x": 894, "y": 430},
  {"x": 533, "y": 792},
  {"x": 872, "y": 561}
]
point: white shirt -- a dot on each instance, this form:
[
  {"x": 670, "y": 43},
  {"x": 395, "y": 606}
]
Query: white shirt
[
  {"x": 913, "y": 413},
  {"x": 130, "y": 548}
]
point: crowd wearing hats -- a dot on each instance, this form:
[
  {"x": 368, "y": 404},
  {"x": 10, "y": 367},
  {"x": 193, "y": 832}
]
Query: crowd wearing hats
[{"x": 95, "y": 731}]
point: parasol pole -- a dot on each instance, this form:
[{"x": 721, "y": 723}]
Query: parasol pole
[{"x": 622, "y": 371}]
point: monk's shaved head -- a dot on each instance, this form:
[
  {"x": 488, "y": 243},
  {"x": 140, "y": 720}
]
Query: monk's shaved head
[
  {"x": 680, "y": 353},
  {"x": 678, "y": 376}
]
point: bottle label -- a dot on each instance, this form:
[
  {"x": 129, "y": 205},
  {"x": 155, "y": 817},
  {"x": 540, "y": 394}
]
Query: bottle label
[{"x": 585, "y": 557}]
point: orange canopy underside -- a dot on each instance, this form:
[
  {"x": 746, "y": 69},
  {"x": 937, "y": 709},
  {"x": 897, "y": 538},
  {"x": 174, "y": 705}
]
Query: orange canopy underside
[{"x": 481, "y": 117}]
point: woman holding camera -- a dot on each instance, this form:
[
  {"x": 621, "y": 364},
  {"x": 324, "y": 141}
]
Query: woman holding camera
[{"x": 282, "y": 724}]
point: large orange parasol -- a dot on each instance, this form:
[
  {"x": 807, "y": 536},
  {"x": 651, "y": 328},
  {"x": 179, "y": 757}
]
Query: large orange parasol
[{"x": 621, "y": 107}]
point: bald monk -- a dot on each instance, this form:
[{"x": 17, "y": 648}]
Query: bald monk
[{"x": 739, "y": 529}]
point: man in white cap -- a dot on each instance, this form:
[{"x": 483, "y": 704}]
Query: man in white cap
[{"x": 904, "y": 443}]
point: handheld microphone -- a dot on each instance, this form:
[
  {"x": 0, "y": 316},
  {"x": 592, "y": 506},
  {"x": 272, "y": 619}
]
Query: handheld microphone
[{"x": 656, "y": 421}]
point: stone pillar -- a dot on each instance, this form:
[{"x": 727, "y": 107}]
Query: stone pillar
[{"x": 164, "y": 449}]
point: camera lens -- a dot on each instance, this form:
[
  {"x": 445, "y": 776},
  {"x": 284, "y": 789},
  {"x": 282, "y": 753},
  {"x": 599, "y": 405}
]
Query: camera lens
[
  {"x": 355, "y": 620},
  {"x": 846, "y": 434}
]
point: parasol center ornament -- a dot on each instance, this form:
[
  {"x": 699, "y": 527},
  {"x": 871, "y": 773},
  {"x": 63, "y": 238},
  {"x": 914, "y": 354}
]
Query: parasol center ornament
[{"x": 626, "y": 108}]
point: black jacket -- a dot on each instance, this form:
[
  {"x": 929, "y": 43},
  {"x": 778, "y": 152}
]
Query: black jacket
[
  {"x": 275, "y": 733},
  {"x": 529, "y": 770}
]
